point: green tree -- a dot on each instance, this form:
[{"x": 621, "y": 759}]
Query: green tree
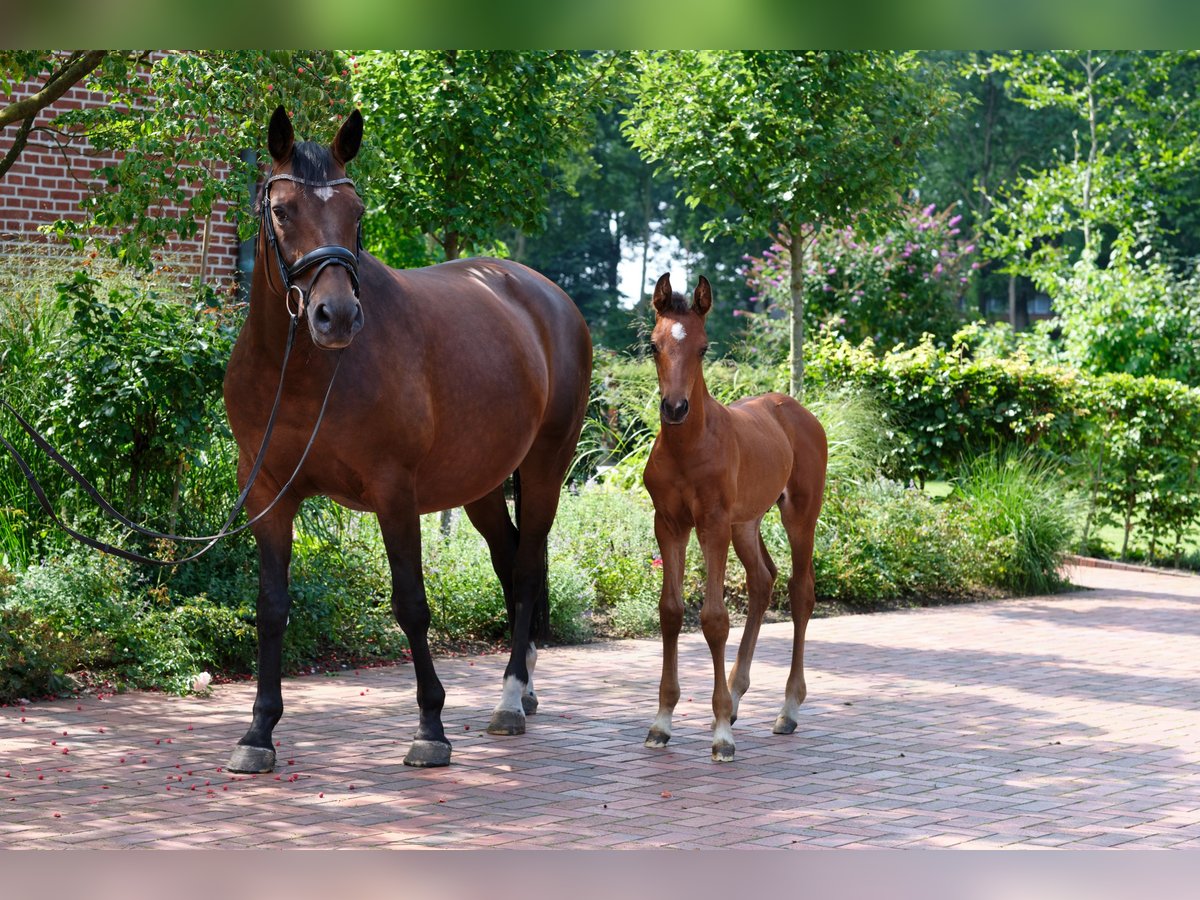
[
  {"x": 1090, "y": 227},
  {"x": 182, "y": 122},
  {"x": 776, "y": 141},
  {"x": 992, "y": 143},
  {"x": 470, "y": 142}
]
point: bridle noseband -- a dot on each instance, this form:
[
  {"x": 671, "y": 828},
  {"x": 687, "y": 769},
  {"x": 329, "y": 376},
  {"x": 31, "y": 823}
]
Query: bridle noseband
[{"x": 320, "y": 259}]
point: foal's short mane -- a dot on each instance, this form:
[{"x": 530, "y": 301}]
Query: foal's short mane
[{"x": 679, "y": 303}]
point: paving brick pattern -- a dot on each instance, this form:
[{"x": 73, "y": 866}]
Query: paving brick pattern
[{"x": 1065, "y": 721}]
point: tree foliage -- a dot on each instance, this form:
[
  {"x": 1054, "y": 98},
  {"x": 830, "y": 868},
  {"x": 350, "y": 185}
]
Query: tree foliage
[
  {"x": 183, "y": 122},
  {"x": 470, "y": 142},
  {"x": 777, "y": 140}
]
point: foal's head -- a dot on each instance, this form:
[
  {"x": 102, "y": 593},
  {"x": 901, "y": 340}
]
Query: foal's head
[
  {"x": 679, "y": 344},
  {"x": 308, "y": 213}
]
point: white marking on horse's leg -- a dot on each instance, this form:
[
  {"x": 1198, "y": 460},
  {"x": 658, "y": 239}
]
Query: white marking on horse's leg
[
  {"x": 791, "y": 710},
  {"x": 678, "y": 331},
  {"x": 722, "y": 741},
  {"x": 530, "y": 664},
  {"x": 510, "y": 696},
  {"x": 662, "y": 722}
]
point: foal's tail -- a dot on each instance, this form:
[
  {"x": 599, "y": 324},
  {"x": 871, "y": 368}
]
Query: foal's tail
[{"x": 539, "y": 626}]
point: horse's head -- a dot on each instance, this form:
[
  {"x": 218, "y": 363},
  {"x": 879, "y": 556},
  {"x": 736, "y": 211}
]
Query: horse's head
[
  {"x": 311, "y": 218},
  {"x": 679, "y": 344}
]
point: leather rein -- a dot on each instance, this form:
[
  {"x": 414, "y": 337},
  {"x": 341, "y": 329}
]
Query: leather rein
[{"x": 318, "y": 259}]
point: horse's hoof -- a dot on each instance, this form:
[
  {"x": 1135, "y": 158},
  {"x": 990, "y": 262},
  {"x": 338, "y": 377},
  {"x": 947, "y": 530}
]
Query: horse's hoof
[
  {"x": 722, "y": 752},
  {"x": 657, "y": 739},
  {"x": 428, "y": 754},
  {"x": 529, "y": 703},
  {"x": 507, "y": 721},
  {"x": 251, "y": 760},
  {"x": 784, "y": 725}
]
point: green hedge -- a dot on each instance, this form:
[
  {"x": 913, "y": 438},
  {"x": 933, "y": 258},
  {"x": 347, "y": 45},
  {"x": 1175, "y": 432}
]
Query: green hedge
[{"x": 1130, "y": 444}]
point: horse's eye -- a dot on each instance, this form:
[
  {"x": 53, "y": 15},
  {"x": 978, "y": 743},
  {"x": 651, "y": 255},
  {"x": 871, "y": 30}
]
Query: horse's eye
[
  {"x": 280, "y": 213},
  {"x": 704, "y": 349},
  {"x": 654, "y": 348}
]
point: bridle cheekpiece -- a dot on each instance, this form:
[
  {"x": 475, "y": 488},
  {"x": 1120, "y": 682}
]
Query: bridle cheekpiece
[{"x": 320, "y": 258}]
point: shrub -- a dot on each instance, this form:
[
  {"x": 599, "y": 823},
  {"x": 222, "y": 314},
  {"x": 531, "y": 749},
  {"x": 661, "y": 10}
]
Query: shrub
[{"x": 1020, "y": 517}]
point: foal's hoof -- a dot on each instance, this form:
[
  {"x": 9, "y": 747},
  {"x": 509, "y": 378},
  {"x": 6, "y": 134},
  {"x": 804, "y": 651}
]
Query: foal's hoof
[
  {"x": 722, "y": 751},
  {"x": 784, "y": 725},
  {"x": 657, "y": 739},
  {"x": 507, "y": 721},
  {"x": 529, "y": 703},
  {"x": 251, "y": 760},
  {"x": 428, "y": 754}
]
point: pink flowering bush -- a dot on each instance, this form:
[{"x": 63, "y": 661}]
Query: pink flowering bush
[{"x": 892, "y": 289}]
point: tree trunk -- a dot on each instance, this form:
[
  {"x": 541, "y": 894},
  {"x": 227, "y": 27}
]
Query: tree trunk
[
  {"x": 1012, "y": 301},
  {"x": 643, "y": 293},
  {"x": 796, "y": 247}
]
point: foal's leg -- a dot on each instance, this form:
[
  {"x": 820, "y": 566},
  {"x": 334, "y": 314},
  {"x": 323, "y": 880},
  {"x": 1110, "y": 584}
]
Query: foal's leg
[
  {"x": 401, "y": 529},
  {"x": 760, "y": 579},
  {"x": 541, "y": 475},
  {"x": 490, "y": 517},
  {"x": 672, "y": 545},
  {"x": 714, "y": 620},
  {"x": 799, "y": 519},
  {"x": 255, "y": 752}
]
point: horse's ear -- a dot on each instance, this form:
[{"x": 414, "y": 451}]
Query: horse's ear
[
  {"x": 280, "y": 136},
  {"x": 702, "y": 297},
  {"x": 662, "y": 293},
  {"x": 349, "y": 138}
]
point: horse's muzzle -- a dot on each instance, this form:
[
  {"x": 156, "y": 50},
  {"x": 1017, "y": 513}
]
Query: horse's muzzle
[
  {"x": 673, "y": 413},
  {"x": 334, "y": 323}
]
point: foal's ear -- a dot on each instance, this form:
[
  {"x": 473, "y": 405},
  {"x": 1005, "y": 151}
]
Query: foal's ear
[
  {"x": 662, "y": 293},
  {"x": 702, "y": 297},
  {"x": 349, "y": 138},
  {"x": 280, "y": 136}
]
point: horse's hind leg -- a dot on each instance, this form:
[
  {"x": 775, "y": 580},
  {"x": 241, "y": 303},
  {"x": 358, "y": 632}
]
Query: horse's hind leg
[
  {"x": 672, "y": 546},
  {"x": 799, "y": 513},
  {"x": 401, "y": 531},
  {"x": 255, "y": 752},
  {"x": 541, "y": 476},
  {"x": 760, "y": 579},
  {"x": 490, "y": 517}
]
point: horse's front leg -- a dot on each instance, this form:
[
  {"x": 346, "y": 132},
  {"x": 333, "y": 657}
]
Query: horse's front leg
[
  {"x": 255, "y": 752},
  {"x": 714, "y": 621},
  {"x": 401, "y": 531},
  {"x": 672, "y": 546}
]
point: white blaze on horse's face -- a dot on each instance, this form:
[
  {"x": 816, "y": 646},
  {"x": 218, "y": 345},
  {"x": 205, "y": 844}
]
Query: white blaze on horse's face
[
  {"x": 678, "y": 331},
  {"x": 323, "y": 193}
]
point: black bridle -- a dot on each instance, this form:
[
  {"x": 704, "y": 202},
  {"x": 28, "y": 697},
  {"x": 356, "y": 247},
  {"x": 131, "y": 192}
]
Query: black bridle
[{"x": 320, "y": 259}]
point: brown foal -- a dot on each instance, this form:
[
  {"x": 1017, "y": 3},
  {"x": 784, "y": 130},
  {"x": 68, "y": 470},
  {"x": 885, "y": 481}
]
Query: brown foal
[{"x": 718, "y": 469}]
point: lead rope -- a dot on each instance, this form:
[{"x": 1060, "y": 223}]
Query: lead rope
[{"x": 209, "y": 540}]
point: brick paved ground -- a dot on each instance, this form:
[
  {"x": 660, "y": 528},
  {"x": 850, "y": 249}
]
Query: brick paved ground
[{"x": 1071, "y": 720}]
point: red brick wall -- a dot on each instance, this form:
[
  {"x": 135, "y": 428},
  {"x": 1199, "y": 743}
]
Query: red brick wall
[{"x": 48, "y": 182}]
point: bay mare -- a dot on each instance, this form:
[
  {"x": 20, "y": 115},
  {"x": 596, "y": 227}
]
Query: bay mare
[{"x": 449, "y": 380}]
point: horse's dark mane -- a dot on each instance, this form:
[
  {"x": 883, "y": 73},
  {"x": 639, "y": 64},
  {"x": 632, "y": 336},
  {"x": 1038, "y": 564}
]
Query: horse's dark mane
[{"x": 311, "y": 161}]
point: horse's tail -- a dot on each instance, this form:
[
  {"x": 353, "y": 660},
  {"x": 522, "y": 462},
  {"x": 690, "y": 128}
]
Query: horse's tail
[{"x": 539, "y": 626}]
